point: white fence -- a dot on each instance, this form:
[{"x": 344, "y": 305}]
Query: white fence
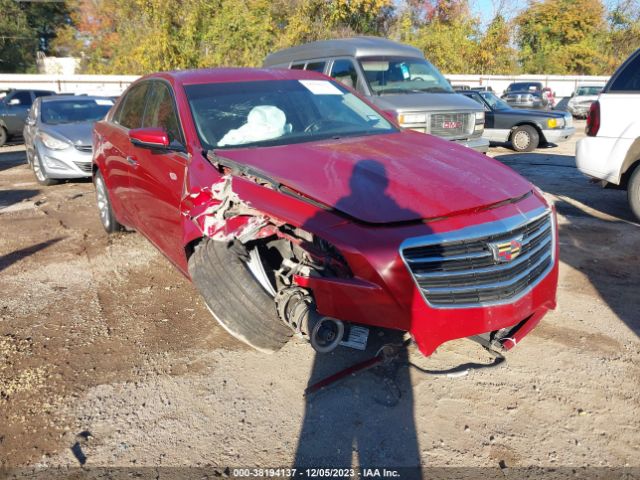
[{"x": 563, "y": 86}]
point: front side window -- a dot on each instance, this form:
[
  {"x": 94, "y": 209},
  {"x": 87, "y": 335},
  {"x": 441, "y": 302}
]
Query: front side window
[
  {"x": 23, "y": 97},
  {"x": 279, "y": 112},
  {"x": 161, "y": 112},
  {"x": 130, "y": 114},
  {"x": 74, "y": 110},
  {"x": 628, "y": 80},
  {"x": 392, "y": 75},
  {"x": 345, "y": 72}
]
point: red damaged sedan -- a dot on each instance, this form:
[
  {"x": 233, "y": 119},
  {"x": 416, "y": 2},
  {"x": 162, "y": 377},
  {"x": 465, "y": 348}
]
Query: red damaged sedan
[{"x": 295, "y": 206}]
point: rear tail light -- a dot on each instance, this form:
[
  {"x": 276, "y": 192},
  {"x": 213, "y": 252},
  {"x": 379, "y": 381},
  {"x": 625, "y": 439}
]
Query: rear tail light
[{"x": 593, "y": 119}]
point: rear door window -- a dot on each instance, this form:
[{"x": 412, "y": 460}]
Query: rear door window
[
  {"x": 130, "y": 114},
  {"x": 297, "y": 66},
  {"x": 316, "y": 66},
  {"x": 628, "y": 78}
]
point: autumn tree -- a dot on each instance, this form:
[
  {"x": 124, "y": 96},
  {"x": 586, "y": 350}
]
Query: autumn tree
[
  {"x": 562, "y": 37},
  {"x": 495, "y": 53}
]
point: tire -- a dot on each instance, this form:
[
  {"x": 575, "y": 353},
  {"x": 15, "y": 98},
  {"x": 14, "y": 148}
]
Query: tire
[
  {"x": 40, "y": 173},
  {"x": 633, "y": 192},
  {"x": 525, "y": 138},
  {"x": 105, "y": 211},
  {"x": 235, "y": 298},
  {"x": 4, "y": 136}
]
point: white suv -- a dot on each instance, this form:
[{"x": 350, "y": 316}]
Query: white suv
[{"x": 611, "y": 150}]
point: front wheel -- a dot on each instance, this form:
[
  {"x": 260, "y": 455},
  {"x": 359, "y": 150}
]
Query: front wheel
[
  {"x": 525, "y": 138},
  {"x": 236, "y": 297},
  {"x": 633, "y": 192},
  {"x": 107, "y": 217},
  {"x": 40, "y": 173},
  {"x": 4, "y": 136}
]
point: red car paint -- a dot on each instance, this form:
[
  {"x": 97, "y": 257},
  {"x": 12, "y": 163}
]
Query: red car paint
[{"x": 429, "y": 186}]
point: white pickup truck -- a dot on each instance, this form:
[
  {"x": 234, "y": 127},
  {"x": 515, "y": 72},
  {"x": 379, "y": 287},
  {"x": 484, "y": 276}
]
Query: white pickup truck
[{"x": 611, "y": 150}]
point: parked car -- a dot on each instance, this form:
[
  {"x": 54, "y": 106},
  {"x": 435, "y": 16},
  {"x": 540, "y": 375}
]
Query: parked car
[
  {"x": 14, "y": 108},
  {"x": 396, "y": 78},
  {"x": 611, "y": 150},
  {"x": 57, "y": 135},
  {"x": 295, "y": 206},
  {"x": 482, "y": 88},
  {"x": 523, "y": 129},
  {"x": 582, "y": 98},
  {"x": 527, "y": 95}
]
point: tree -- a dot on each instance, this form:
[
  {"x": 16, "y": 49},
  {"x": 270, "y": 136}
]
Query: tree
[
  {"x": 495, "y": 54},
  {"x": 624, "y": 32},
  {"x": 562, "y": 37},
  {"x": 18, "y": 40}
]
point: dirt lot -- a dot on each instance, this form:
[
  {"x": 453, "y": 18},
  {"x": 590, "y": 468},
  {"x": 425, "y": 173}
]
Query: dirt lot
[{"x": 109, "y": 357}]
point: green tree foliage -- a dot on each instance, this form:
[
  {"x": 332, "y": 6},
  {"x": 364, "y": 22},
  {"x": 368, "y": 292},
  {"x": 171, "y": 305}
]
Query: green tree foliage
[{"x": 562, "y": 37}]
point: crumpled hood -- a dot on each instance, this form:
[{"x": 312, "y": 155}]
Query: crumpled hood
[
  {"x": 389, "y": 177},
  {"x": 76, "y": 133}
]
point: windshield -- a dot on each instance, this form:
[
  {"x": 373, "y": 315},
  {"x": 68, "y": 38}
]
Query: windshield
[
  {"x": 588, "y": 91},
  {"x": 494, "y": 102},
  {"x": 279, "y": 112},
  {"x": 388, "y": 75},
  {"x": 74, "y": 110}
]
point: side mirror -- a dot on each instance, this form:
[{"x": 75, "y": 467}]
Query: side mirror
[
  {"x": 14, "y": 101},
  {"x": 151, "y": 138}
]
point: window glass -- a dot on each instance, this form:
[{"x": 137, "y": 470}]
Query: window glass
[
  {"x": 161, "y": 112},
  {"x": 588, "y": 91},
  {"x": 42, "y": 93},
  {"x": 24, "y": 97},
  {"x": 279, "y": 112},
  {"x": 130, "y": 115},
  {"x": 316, "y": 66},
  {"x": 74, "y": 110},
  {"x": 494, "y": 102},
  {"x": 345, "y": 72},
  {"x": 297, "y": 66},
  {"x": 396, "y": 75},
  {"x": 628, "y": 80}
]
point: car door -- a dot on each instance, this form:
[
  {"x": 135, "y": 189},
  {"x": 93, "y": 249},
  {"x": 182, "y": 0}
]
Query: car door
[
  {"x": 17, "y": 109},
  {"x": 119, "y": 154},
  {"x": 156, "y": 181}
]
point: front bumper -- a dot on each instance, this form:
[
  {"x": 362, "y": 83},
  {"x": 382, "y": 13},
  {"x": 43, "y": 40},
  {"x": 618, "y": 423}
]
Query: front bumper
[
  {"x": 67, "y": 163},
  {"x": 384, "y": 292},
  {"x": 558, "y": 134},
  {"x": 479, "y": 144}
]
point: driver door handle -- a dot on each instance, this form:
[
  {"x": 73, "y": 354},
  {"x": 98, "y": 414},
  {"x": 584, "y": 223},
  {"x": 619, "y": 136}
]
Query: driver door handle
[{"x": 132, "y": 161}]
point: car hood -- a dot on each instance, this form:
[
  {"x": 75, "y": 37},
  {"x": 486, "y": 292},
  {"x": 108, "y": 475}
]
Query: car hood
[
  {"x": 388, "y": 178},
  {"x": 431, "y": 102},
  {"x": 76, "y": 133}
]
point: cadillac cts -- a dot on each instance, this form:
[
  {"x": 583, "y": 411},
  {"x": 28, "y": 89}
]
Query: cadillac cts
[{"x": 295, "y": 206}]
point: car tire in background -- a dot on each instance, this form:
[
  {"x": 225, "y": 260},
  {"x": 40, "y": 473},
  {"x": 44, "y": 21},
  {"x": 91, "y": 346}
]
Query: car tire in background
[
  {"x": 633, "y": 192},
  {"x": 105, "y": 211},
  {"x": 524, "y": 138},
  {"x": 4, "y": 136},
  {"x": 40, "y": 173},
  {"x": 234, "y": 296}
]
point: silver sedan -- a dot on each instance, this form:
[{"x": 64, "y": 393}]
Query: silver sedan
[{"x": 57, "y": 136}]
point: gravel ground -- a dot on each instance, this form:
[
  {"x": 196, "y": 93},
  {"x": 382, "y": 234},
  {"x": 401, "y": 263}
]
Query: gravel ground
[{"x": 108, "y": 356}]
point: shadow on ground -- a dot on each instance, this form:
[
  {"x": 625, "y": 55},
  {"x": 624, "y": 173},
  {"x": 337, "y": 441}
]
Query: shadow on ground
[
  {"x": 10, "y": 159},
  {"x": 13, "y": 257}
]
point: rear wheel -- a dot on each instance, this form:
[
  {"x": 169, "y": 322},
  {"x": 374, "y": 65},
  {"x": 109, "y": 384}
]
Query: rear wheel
[
  {"x": 107, "y": 217},
  {"x": 236, "y": 290},
  {"x": 525, "y": 138},
  {"x": 3, "y": 136},
  {"x": 633, "y": 192}
]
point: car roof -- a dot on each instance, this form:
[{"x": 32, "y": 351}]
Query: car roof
[
  {"x": 63, "y": 98},
  {"x": 362, "y": 46},
  {"x": 225, "y": 75}
]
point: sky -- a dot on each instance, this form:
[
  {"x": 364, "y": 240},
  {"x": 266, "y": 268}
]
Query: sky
[{"x": 487, "y": 8}]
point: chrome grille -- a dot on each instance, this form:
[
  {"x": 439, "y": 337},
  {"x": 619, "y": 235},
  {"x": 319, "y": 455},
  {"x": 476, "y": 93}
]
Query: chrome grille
[
  {"x": 84, "y": 148},
  {"x": 84, "y": 166},
  {"x": 464, "y": 124},
  {"x": 461, "y": 270}
]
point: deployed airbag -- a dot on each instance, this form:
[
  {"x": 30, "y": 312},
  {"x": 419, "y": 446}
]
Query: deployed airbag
[{"x": 264, "y": 122}]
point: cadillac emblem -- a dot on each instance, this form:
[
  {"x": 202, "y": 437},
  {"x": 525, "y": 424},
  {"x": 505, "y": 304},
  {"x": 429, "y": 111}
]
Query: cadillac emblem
[{"x": 504, "y": 252}]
